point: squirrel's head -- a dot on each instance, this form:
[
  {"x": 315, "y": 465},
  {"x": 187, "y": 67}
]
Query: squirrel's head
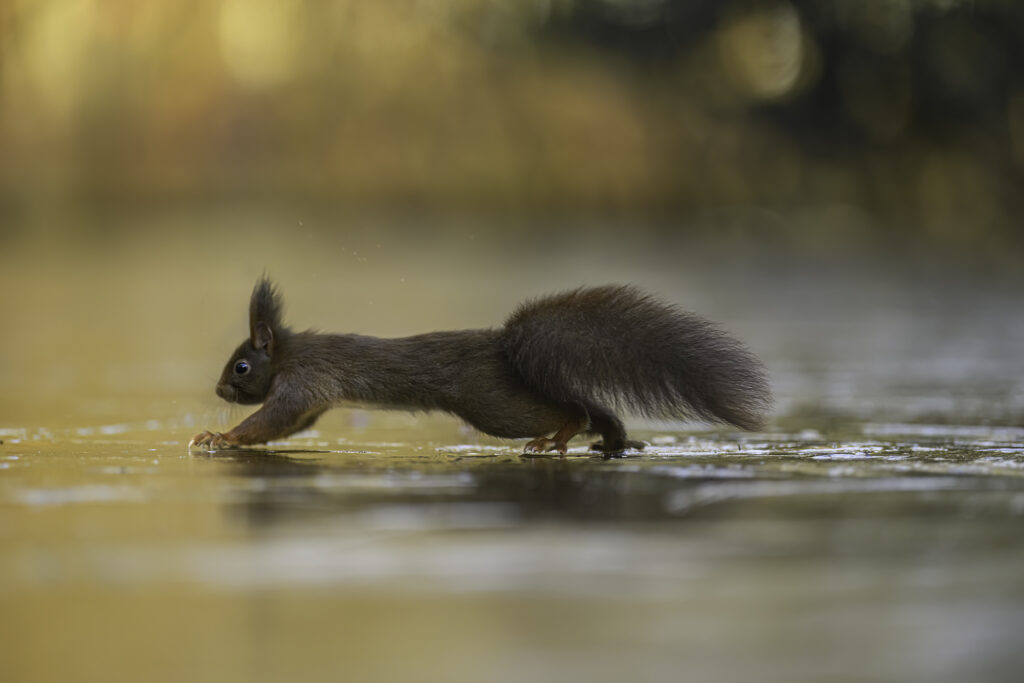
[{"x": 247, "y": 376}]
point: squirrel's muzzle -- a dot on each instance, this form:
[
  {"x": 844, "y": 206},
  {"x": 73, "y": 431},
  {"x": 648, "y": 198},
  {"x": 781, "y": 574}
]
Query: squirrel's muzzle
[{"x": 227, "y": 392}]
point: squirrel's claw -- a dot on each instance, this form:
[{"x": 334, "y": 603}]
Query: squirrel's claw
[
  {"x": 201, "y": 440},
  {"x": 542, "y": 445},
  {"x": 209, "y": 441}
]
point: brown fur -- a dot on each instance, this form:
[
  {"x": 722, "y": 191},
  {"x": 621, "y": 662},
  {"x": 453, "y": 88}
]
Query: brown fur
[{"x": 562, "y": 364}]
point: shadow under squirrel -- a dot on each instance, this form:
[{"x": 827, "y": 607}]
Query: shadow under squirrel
[{"x": 561, "y": 365}]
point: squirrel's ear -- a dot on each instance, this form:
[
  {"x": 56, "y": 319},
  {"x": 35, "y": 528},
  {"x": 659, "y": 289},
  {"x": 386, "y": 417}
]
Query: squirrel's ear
[
  {"x": 263, "y": 337},
  {"x": 264, "y": 314}
]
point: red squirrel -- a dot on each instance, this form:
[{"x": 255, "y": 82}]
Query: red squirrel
[{"x": 561, "y": 365}]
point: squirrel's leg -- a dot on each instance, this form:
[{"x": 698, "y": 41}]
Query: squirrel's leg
[
  {"x": 559, "y": 441},
  {"x": 275, "y": 419},
  {"x": 613, "y": 433}
]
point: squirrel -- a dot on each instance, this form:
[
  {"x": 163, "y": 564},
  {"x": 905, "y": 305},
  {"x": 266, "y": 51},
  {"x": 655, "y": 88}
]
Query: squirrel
[{"x": 561, "y": 365}]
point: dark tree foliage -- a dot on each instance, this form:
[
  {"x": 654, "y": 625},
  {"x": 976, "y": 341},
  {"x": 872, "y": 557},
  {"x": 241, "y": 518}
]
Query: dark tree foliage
[{"x": 961, "y": 62}]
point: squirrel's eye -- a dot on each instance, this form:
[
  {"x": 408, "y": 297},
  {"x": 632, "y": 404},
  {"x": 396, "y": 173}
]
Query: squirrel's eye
[{"x": 241, "y": 367}]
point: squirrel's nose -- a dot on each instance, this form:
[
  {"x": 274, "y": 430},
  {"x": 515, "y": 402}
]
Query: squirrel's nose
[{"x": 225, "y": 392}]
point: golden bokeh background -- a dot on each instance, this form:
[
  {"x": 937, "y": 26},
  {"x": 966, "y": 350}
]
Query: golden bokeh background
[{"x": 893, "y": 119}]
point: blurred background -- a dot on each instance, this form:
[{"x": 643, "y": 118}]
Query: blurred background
[{"x": 888, "y": 121}]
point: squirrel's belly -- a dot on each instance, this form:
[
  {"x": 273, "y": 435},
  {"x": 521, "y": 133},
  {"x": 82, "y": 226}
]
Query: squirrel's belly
[{"x": 516, "y": 419}]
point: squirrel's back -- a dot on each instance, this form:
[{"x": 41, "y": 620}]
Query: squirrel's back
[{"x": 619, "y": 347}]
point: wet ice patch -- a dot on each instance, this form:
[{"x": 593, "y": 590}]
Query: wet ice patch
[
  {"x": 856, "y": 455},
  {"x": 1002, "y": 462},
  {"x": 706, "y": 494},
  {"x": 701, "y": 472},
  {"x": 95, "y": 493},
  {"x": 404, "y": 481},
  {"x": 440, "y": 516},
  {"x": 471, "y": 448},
  {"x": 109, "y": 430},
  {"x": 841, "y": 449},
  {"x": 945, "y": 431}
]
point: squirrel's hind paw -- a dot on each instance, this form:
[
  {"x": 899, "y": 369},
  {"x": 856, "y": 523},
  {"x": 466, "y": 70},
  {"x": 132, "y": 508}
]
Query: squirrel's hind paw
[
  {"x": 616, "y": 447},
  {"x": 541, "y": 445}
]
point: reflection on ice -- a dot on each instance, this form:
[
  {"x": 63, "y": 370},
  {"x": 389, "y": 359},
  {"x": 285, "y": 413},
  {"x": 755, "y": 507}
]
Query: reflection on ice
[
  {"x": 983, "y": 432},
  {"x": 707, "y": 493}
]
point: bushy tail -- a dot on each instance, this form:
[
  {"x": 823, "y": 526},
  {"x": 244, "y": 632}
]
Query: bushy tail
[{"x": 619, "y": 347}]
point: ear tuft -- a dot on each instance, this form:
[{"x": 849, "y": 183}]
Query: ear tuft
[{"x": 264, "y": 313}]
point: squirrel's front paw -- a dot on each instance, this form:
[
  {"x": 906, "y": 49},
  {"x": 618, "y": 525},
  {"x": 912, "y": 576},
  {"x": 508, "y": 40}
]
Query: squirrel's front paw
[{"x": 210, "y": 441}]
